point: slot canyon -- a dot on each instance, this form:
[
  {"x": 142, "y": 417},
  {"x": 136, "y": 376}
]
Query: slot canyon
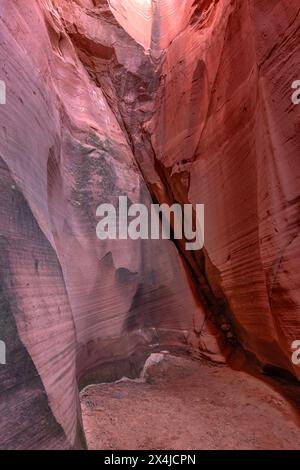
[{"x": 164, "y": 102}]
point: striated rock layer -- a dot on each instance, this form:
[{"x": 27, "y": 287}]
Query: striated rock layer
[
  {"x": 165, "y": 100},
  {"x": 230, "y": 140},
  {"x": 74, "y": 309}
]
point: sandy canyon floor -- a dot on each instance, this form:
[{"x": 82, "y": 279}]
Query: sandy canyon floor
[{"x": 185, "y": 404}]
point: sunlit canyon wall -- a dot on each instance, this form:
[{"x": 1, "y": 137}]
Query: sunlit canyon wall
[{"x": 172, "y": 101}]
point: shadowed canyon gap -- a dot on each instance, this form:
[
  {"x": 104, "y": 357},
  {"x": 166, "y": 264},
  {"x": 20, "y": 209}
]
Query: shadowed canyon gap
[{"x": 166, "y": 101}]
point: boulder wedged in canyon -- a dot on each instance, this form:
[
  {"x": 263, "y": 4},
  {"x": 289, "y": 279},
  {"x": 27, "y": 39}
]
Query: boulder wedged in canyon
[{"x": 132, "y": 98}]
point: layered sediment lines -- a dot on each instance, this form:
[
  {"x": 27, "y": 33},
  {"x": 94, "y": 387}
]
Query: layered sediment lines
[
  {"x": 153, "y": 101},
  {"x": 153, "y": 23},
  {"x": 73, "y": 309},
  {"x": 225, "y": 134}
]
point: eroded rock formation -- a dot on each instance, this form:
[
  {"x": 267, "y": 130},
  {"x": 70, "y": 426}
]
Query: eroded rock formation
[{"x": 173, "y": 101}]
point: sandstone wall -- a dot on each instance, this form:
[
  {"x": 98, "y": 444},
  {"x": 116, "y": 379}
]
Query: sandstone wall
[
  {"x": 74, "y": 309},
  {"x": 190, "y": 102}
]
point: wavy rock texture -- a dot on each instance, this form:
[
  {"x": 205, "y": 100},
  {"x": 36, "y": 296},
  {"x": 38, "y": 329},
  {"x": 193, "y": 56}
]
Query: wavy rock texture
[
  {"x": 230, "y": 140},
  {"x": 145, "y": 100},
  {"x": 75, "y": 309},
  {"x": 153, "y": 23}
]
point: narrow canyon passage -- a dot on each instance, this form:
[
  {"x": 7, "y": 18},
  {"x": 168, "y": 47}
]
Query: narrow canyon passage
[{"x": 180, "y": 103}]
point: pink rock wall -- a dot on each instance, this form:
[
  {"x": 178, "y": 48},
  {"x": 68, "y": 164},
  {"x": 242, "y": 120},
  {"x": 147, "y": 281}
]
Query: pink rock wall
[
  {"x": 75, "y": 309},
  {"x": 230, "y": 141},
  {"x": 153, "y": 23},
  {"x": 203, "y": 115},
  {"x": 223, "y": 132}
]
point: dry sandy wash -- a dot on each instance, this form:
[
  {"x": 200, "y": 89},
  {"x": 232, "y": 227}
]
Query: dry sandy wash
[
  {"x": 185, "y": 101},
  {"x": 187, "y": 405}
]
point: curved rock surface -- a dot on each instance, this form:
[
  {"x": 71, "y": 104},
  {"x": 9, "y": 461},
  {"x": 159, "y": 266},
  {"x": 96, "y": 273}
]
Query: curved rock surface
[
  {"x": 230, "y": 141},
  {"x": 153, "y": 23},
  {"x": 177, "y": 101}
]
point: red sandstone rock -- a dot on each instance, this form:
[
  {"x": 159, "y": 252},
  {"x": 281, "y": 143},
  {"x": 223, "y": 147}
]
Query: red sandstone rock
[
  {"x": 203, "y": 115},
  {"x": 76, "y": 303},
  {"x": 230, "y": 130}
]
